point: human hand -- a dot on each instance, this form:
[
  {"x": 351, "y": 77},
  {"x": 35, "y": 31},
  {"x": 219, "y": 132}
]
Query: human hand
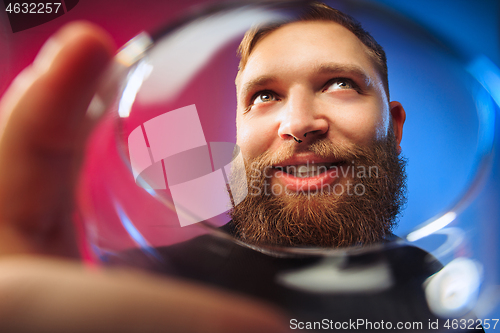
[{"x": 42, "y": 136}]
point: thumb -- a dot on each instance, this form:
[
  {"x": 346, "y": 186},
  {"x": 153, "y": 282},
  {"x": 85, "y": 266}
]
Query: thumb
[{"x": 41, "y": 140}]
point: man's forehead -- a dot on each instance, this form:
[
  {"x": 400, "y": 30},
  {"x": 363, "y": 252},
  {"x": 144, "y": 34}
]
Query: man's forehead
[
  {"x": 313, "y": 31},
  {"x": 307, "y": 44}
]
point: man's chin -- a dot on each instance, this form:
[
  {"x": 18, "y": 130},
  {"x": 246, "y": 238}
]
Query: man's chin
[
  {"x": 304, "y": 200},
  {"x": 306, "y": 219}
]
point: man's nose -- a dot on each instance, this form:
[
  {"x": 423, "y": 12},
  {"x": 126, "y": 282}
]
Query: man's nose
[{"x": 302, "y": 119}]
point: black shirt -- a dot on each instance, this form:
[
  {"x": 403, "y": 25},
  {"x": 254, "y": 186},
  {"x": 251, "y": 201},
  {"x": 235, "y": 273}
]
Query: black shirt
[{"x": 363, "y": 290}]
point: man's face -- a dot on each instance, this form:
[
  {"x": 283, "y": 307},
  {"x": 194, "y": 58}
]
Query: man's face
[
  {"x": 309, "y": 77},
  {"x": 309, "y": 88}
]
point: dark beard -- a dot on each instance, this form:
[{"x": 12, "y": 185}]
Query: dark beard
[{"x": 319, "y": 218}]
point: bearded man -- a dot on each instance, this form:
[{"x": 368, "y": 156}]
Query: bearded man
[{"x": 313, "y": 116}]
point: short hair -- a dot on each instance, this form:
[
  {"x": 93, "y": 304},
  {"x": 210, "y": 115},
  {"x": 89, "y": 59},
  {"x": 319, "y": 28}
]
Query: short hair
[{"x": 316, "y": 11}]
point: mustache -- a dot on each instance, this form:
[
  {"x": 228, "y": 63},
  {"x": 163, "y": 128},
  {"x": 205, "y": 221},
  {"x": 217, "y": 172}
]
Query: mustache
[{"x": 322, "y": 148}]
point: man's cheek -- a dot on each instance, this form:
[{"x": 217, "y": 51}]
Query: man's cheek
[
  {"x": 252, "y": 142},
  {"x": 363, "y": 132}
]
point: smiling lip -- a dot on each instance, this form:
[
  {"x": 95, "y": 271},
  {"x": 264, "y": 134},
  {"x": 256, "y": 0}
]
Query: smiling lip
[{"x": 306, "y": 173}]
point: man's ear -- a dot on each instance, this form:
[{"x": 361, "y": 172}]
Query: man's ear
[{"x": 398, "y": 115}]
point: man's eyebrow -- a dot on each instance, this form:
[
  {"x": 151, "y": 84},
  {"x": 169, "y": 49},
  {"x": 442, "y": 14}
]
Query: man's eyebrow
[
  {"x": 345, "y": 68},
  {"x": 260, "y": 81}
]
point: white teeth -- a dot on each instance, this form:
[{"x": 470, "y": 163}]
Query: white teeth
[{"x": 307, "y": 170}]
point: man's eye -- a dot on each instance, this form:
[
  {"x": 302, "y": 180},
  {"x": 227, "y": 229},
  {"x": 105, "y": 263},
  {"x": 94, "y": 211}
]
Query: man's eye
[
  {"x": 264, "y": 96},
  {"x": 340, "y": 84}
]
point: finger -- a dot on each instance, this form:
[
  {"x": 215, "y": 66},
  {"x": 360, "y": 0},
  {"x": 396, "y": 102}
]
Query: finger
[
  {"x": 43, "y": 126},
  {"x": 55, "y": 296}
]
